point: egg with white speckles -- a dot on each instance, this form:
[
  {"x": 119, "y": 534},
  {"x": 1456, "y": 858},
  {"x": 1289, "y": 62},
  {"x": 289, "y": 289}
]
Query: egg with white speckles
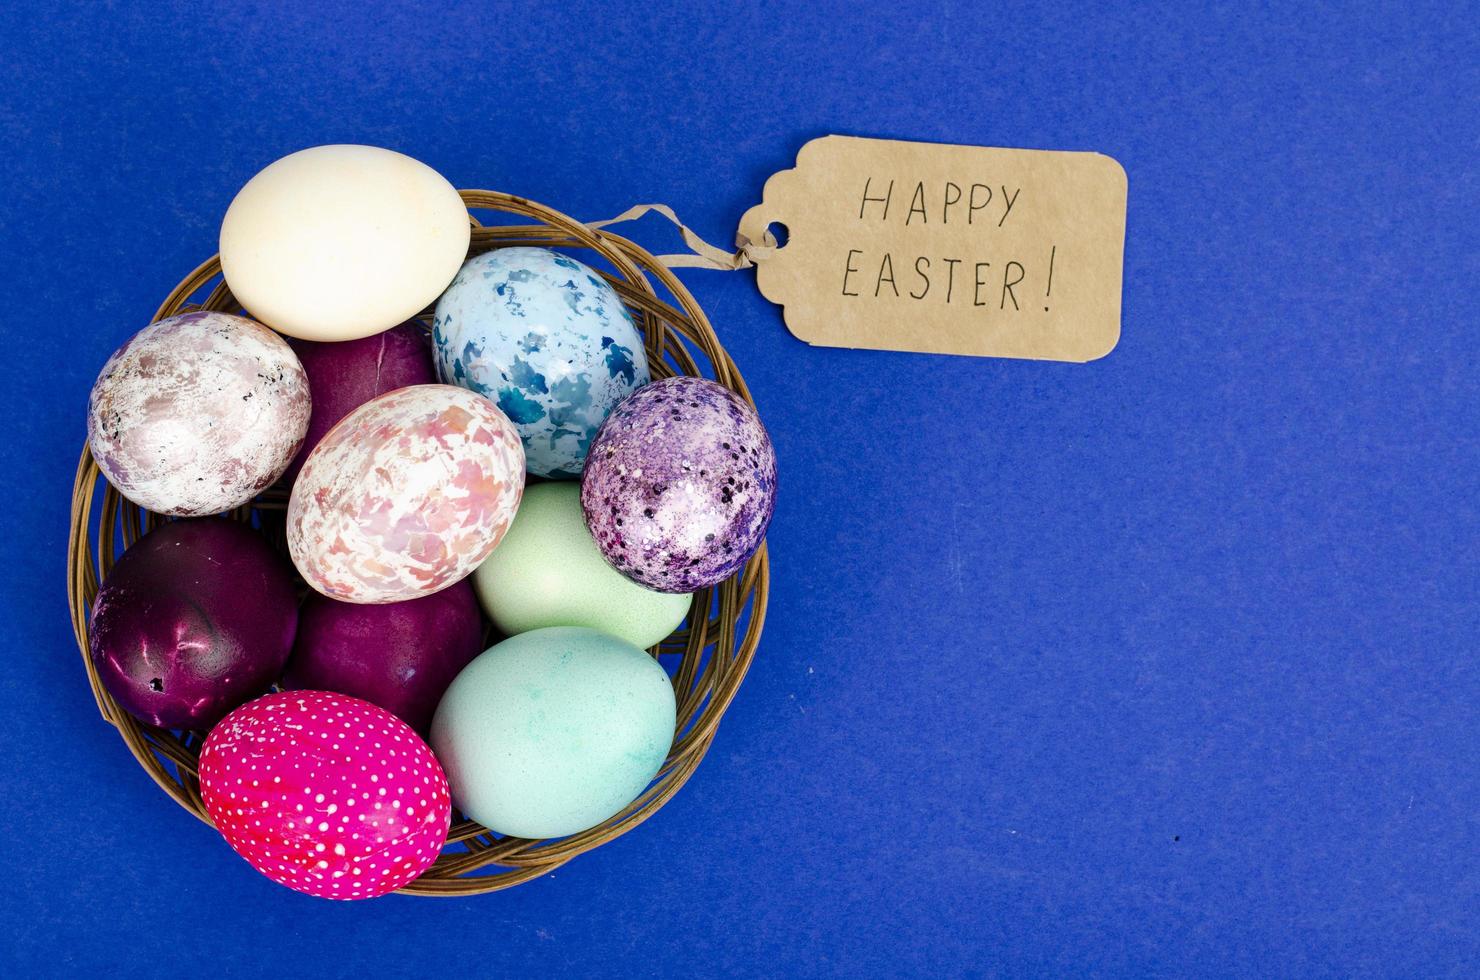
[
  {"x": 406, "y": 495},
  {"x": 680, "y": 485},
  {"x": 198, "y": 413},
  {"x": 553, "y": 731},
  {"x": 325, "y": 793},
  {"x": 548, "y": 340}
]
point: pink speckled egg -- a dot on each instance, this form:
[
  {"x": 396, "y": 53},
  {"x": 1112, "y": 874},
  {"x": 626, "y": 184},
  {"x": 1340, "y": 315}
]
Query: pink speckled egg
[
  {"x": 198, "y": 413},
  {"x": 325, "y": 793},
  {"x": 406, "y": 495}
]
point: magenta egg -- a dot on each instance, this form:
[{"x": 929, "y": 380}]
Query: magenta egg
[
  {"x": 325, "y": 793},
  {"x": 195, "y": 618},
  {"x": 399, "y": 655},
  {"x": 343, "y": 376},
  {"x": 679, "y": 485}
]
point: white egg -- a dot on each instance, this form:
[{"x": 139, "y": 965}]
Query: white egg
[{"x": 341, "y": 242}]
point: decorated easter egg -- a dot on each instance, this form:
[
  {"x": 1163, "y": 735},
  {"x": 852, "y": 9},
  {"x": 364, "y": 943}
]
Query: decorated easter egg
[
  {"x": 546, "y": 338},
  {"x": 680, "y": 485},
  {"x": 198, "y": 413},
  {"x": 194, "y": 619},
  {"x": 346, "y": 375},
  {"x": 325, "y": 793},
  {"x": 406, "y": 495},
  {"x": 340, "y": 242},
  {"x": 398, "y": 655},
  {"x": 548, "y": 572},
  {"x": 553, "y": 731}
]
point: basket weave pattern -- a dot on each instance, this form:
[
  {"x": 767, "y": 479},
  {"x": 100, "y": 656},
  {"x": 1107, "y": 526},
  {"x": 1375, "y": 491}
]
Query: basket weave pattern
[{"x": 707, "y": 658}]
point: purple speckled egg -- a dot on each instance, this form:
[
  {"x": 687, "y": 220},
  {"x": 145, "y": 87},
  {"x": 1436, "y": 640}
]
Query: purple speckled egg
[
  {"x": 679, "y": 485},
  {"x": 400, "y": 655},
  {"x": 196, "y": 618},
  {"x": 406, "y": 495},
  {"x": 198, "y": 413},
  {"x": 343, "y": 376}
]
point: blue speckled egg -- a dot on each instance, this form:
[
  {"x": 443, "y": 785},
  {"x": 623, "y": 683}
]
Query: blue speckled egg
[{"x": 545, "y": 338}]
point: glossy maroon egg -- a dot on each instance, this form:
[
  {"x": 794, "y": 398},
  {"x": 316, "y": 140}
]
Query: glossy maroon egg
[
  {"x": 400, "y": 655},
  {"x": 196, "y": 618},
  {"x": 345, "y": 375}
]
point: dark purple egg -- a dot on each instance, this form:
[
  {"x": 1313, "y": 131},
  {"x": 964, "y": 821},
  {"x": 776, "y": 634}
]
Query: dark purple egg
[
  {"x": 679, "y": 485},
  {"x": 344, "y": 375},
  {"x": 196, "y": 618},
  {"x": 398, "y": 655}
]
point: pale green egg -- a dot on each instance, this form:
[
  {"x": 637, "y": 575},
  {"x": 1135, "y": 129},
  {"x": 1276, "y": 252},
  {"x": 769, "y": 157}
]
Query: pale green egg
[
  {"x": 550, "y": 732},
  {"x": 547, "y": 571}
]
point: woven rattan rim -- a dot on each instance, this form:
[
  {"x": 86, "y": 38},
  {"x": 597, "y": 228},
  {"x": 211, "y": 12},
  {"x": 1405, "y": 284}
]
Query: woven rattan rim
[{"x": 714, "y": 648}]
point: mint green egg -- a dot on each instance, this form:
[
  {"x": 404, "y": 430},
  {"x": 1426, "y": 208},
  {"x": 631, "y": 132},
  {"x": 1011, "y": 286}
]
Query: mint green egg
[
  {"x": 547, "y": 571},
  {"x": 552, "y": 731}
]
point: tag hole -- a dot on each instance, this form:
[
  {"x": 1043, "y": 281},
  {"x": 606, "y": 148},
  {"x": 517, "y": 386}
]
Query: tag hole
[{"x": 779, "y": 232}]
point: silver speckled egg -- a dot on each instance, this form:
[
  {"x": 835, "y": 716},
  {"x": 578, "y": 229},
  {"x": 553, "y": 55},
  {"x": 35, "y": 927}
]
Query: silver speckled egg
[
  {"x": 198, "y": 413},
  {"x": 547, "y": 340},
  {"x": 680, "y": 485}
]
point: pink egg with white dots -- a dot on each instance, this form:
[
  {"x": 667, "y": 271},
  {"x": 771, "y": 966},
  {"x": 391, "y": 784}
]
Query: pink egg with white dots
[{"x": 325, "y": 793}]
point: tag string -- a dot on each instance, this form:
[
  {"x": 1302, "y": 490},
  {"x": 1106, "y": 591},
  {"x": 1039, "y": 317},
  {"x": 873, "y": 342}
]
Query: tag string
[{"x": 704, "y": 255}]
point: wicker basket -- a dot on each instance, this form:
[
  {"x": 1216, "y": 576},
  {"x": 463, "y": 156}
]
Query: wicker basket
[{"x": 707, "y": 657}]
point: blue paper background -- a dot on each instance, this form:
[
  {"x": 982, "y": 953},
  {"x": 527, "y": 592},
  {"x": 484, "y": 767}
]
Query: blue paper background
[{"x": 1163, "y": 665}]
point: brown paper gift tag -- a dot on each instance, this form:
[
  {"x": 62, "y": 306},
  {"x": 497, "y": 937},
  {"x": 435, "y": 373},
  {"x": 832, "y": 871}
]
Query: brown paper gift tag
[{"x": 944, "y": 249}]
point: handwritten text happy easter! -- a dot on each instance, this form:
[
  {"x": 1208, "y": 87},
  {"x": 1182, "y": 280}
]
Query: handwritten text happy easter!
[{"x": 936, "y": 277}]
